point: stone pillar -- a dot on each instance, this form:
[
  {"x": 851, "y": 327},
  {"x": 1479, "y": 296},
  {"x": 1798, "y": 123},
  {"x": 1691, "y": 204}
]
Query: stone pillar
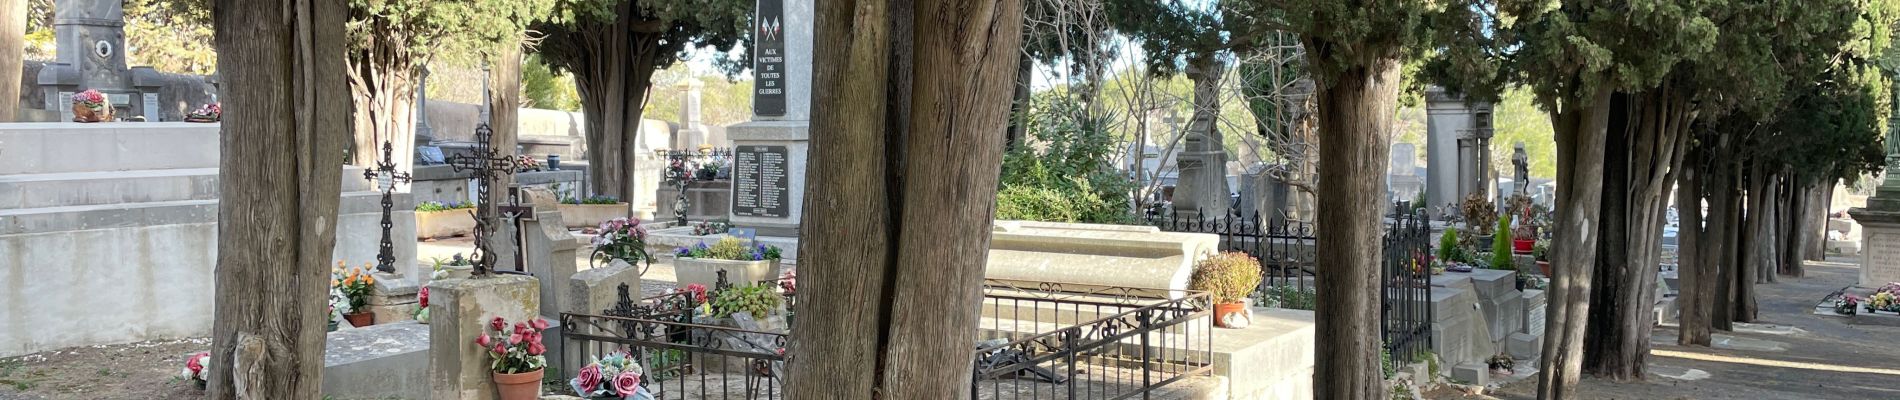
[
  {"x": 549, "y": 251},
  {"x": 459, "y": 310},
  {"x": 424, "y": 135},
  {"x": 1457, "y": 148},
  {"x": 593, "y": 292}
]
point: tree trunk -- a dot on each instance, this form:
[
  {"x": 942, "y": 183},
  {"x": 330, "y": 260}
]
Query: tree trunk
[
  {"x": 504, "y": 114},
  {"x": 1355, "y": 111},
  {"x": 612, "y": 65},
  {"x": 1760, "y": 240},
  {"x": 1643, "y": 159},
  {"x": 1695, "y": 286},
  {"x": 286, "y": 117},
  {"x": 920, "y": 247},
  {"x": 1817, "y": 202},
  {"x": 1796, "y": 206},
  {"x": 13, "y": 58},
  {"x": 382, "y": 79},
  {"x": 1581, "y": 130},
  {"x": 1727, "y": 222},
  {"x": 1019, "y": 104}
]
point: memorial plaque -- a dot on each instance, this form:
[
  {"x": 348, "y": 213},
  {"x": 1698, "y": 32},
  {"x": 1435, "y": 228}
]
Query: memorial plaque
[
  {"x": 760, "y": 186},
  {"x": 768, "y": 92},
  {"x": 65, "y": 106},
  {"x": 151, "y": 107}
]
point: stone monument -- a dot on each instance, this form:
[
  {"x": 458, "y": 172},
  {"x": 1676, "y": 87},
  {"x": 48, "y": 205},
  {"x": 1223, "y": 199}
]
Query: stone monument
[
  {"x": 1458, "y": 146},
  {"x": 90, "y": 40},
  {"x": 771, "y": 150},
  {"x": 1880, "y": 225},
  {"x": 1522, "y": 164}
]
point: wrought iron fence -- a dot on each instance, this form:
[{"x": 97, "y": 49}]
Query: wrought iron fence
[
  {"x": 1047, "y": 341},
  {"x": 1043, "y": 341},
  {"x": 1285, "y": 248},
  {"x": 1405, "y": 310}
]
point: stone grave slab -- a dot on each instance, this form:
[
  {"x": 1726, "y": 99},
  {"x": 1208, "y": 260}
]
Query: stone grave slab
[{"x": 377, "y": 362}]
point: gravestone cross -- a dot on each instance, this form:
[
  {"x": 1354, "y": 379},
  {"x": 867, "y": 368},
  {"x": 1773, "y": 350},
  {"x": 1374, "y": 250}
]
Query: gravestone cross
[
  {"x": 489, "y": 165},
  {"x": 386, "y": 177}
]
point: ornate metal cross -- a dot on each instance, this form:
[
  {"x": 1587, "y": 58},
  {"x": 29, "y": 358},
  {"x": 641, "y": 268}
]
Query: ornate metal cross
[
  {"x": 386, "y": 176},
  {"x": 489, "y": 165}
]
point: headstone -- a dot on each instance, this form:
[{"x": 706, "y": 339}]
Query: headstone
[
  {"x": 1521, "y": 163},
  {"x": 459, "y": 309},
  {"x": 151, "y": 107},
  {"x": 89, "y": 39},
  {"x": 1880, "y": 224},
  {"x": 778, "y": 138}
]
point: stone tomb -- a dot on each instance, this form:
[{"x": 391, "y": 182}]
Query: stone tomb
[{"x": 145, "y": 195}]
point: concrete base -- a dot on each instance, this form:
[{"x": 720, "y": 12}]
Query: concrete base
[
  {"x": 378, "y": 362},
  {"x": 664, "y": 242},
  {"x": 1478, "y": 374},
  {"x": 393, "y": 299},
  {"x": 1881, "y": 240},
  {"x": 1524, "y": 346},
  {"x": 1271, "y": 359},
  {"x": 459, "y": 310}
]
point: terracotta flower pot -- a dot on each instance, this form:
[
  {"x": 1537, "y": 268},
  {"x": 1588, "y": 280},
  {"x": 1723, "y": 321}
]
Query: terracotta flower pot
[
  {"x": 1522, "y": 246},
  {"x": 361, "y": 319},
  {"x": 1544, "y": 266},
  {"x": 522, "y": 386},
  {"x": 1223, "y": 310},
  {"x": 81, "y": 113}
]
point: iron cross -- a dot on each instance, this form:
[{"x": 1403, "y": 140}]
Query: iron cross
[
  {"x": 489, "y": 165},
  {"x": 386, "y": 176}
]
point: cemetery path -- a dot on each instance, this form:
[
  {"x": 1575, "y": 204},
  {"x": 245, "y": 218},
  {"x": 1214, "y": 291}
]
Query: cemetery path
[{"x": 1791, "y": 354}]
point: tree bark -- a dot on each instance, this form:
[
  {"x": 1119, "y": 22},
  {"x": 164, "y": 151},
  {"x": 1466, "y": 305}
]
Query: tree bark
[
  {"x": 1355, "y": 111},
  {"x": 504, "y": 114},
  {"x": 1762, "y": 263},
  {"x": 286, "y": 117},
  {"x": 1696, "y": 287},
  {"x": 921, "y": 245},
  {"x": 1797, "y": 198},
  {"x": 382, "y": 75},
  {"x": 1624, "y": 296},
  {"x": 613, "y": 66},
  {"x": 1581, "y": 130},
  {"x": 13, "y": 58},
  {"x": 1818, "y": 200},
  {"x": 1019, "y": 104},
  {"x": 1726, "y": 222}
]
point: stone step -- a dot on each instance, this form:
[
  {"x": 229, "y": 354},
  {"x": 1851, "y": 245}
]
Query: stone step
[
  {"x": 97, "y": 188},
  {"x": 91, "y": 217},
  {"x": 111, "y": 146}
]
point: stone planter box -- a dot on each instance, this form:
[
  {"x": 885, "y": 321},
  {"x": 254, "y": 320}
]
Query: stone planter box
[
  {"x": 440, "y": 224},
  {"x": 590, "y": 215},
  {"x": 706, "y": 271}
]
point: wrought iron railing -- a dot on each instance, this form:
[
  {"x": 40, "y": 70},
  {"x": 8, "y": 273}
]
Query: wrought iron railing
[
  {"x": 1405, "y": 311},
  {"x": 1044, "y": 341},
  {"x": 1285, "y": 248}
]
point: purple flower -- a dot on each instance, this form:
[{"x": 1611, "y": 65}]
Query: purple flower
[
  {"x": 758, "y": 256},
  {"x": 684, "y": 252},
  {"x": 702, "y": 246}
]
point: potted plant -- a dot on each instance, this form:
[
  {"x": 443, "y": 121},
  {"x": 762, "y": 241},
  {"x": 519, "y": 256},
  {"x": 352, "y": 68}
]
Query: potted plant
[
  {"x": 1501, "y": 364},
  {"x": 1501, "y": 250},
  {"x": 1524, "y": 237},
  {"x": 454, "y": 267},
  {"x": 518, "y": 357},
  {"x": 621, "y": 239},
  {"x": 1846, "y": 304},
  {"x": 1229, "y": 277},
  {"x": 757, "y": 301},
  {"x": 1479, "y": 215},
  {"x": 742, "y": 263},
  {"x": 195, "y": 368},
  {"x": 616, "y": 376},
  {"x": 356, "y": 285},
  {"x": 210, "y": 112},
  {"x": 91, "y": 106},
  {"x": 591, "y": 211},
  {"x": 436, "y": 219}
]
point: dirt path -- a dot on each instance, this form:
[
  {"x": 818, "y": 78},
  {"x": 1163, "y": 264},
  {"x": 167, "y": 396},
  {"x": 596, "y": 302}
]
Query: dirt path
[
  {"x": 1821, "y": 357},
  {"x": 145, "y": 370}
]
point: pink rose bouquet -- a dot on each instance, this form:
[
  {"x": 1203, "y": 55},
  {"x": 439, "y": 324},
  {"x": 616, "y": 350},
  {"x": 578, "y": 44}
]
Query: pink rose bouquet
[
  {"x": 616, "y": 376},
  {"x": 514, "y": 351},
  {"x": 197, "y": 367}
]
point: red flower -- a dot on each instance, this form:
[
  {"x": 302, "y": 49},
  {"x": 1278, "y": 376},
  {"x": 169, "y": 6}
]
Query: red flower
[
  {"x": 540, "y": 324},
  {"x": 193, "y": 364},
  {"x": 589, "y": 379},
  {"x": 422, "y": 297},
  {"x": 514, "y": 339},
  {"x": 499, "y": 349},
  {"x": 521, "y": 328},
  {"x": 625, "y": 384},
  {"x": 536, "y": 348},
  {"x": 497, "y": 324},
  {"x": 482, "y": 341}
]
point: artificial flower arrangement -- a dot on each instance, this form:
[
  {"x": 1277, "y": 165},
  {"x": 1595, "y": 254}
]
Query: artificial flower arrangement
[
  {"x": 731, "y": 248},
  {"x": 339, "y": 303},
  {"x": 422, "y": 305},
  {"x": 622, "y": 239},
  {"x": 210, "y": 112},
  {"x": 1846, "y": 304},
  {"x": 788, "y": 282},
  {"x": 518, "y": 356},
  {"x": 356, "y": 285},
  {"x": 525, "y": 163},
  {"x": 1883, "y": 300},
  {"x": 616, "y": 376},
  {"x": 91, "y": 106},
  {"x": 195, "y": 368}
]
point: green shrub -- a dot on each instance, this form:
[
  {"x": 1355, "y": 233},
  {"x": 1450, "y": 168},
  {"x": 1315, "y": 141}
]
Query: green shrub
[
  {"x": 429, "y": 206},
  {"x": 1448, "y": 250},
  {"x": 1065, "y": 173},
  {"x": 1034, "y": 204},
  {"x": 1288, "y": 297},
  {"x": 760, "y": 300},
  {"x": 1228, "y": 276},
  {"x": 1501, "y": 246}
]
